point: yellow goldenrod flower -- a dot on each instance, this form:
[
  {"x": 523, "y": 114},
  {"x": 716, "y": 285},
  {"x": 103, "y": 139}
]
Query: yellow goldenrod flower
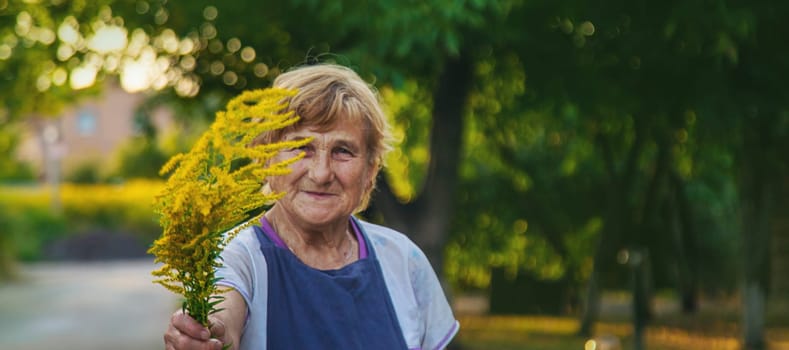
[{"x": 212, "y": 192}]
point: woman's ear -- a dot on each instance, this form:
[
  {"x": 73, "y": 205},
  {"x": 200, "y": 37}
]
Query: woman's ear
[{"x": 266, "y": 188}]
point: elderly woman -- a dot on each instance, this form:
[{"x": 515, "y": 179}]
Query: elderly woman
[{"x": 313, "y": 276}]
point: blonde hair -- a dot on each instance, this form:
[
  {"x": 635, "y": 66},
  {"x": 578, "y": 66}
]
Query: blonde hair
[{"x": 328, "y": 94}]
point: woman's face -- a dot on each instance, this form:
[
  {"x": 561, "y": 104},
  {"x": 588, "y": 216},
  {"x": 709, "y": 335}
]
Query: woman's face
[{"x": 327, "y": 185}]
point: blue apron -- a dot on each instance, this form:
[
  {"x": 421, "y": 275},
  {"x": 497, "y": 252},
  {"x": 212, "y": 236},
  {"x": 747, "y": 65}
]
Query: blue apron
[{"x": 309, "y": 309}]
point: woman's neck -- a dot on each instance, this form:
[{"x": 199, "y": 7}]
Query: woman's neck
[
  {"x": 327, "y": 247},
  {"x": 327, "y": 235}
]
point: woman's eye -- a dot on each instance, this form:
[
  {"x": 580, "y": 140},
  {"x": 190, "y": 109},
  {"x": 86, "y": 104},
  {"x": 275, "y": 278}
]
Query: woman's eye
[
  {"x": 343, "y": 152},
  {"x": 307, "y": 149}
]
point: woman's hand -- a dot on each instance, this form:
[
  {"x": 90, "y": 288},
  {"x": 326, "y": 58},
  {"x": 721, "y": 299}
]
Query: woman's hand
[{"x": 184, "y": 333}]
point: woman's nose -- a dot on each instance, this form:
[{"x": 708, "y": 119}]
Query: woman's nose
[{"x": 321, "y": 168}]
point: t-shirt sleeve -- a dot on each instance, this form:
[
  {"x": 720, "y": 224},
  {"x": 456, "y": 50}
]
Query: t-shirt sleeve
[
  {"x": 244, "y": 269},
  {"x": 440, "y": 324},
  {"x": 237, "y": 269}
]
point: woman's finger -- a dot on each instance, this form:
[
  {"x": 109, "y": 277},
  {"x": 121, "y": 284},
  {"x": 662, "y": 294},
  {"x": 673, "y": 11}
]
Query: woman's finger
[
  {"x": 189, "y": 327},
  {"x": 217, "y": 328}
]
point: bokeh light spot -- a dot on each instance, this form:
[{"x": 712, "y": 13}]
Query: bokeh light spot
[
  {"x": 210, "y": 13},
  {"x": 233, "y": 45},
  {"x": 108, "y": 39},
  {"x": 83, "y": 77},
  {"x": 229, "y": 78},
  {"x": 248, "y": 54}
]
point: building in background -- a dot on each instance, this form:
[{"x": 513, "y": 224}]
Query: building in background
[{"x": 90, "y": 132}]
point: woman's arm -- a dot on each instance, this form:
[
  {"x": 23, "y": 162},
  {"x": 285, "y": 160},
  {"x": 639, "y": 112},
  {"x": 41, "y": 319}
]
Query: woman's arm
[{"x": 233, "y": 316}]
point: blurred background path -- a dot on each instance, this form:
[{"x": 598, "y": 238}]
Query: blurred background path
[{"x": 85, "y": 306}]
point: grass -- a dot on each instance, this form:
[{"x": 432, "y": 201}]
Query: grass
[
  {"x": 518, "y": 333},
  {"x": 716, "y": 326},
  {"x": 558, "y": 333}
]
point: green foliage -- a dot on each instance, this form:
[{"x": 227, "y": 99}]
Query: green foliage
[
  {"x": 33, "y": 225},
  {"x": 409, "y": 111},
  {"x": 12, "y": 170},
  {"x": 85, "y": 173},
  {"x": 140, "y": 158},
  {"x": 29, "y": 228},
  {"x": 521, "y": 167},
  {"x": 30, "y": 69},
  {"x": 7, "y": 248},
  {"x": 714, "y": 198}
]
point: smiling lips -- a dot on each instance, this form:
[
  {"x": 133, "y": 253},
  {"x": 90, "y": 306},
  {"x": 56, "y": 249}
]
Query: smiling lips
[{"x": 318, "y": 194}]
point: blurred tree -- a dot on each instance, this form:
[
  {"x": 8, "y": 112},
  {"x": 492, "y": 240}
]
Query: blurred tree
[
  {"x": 713, "y": 58},
  {"x": 6, "y": 247},
  {"x": 39, "y": 49},
  {"x": 11, "y": 169},
  {"x": 751, "y": 119},
  {"x": 638, "y": 73}
]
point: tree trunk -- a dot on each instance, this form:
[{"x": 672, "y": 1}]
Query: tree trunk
[
  {"x": 647, "y": 223},
  {"x": 49, "y": 136},
  {"x": 427, "y": 218},
  {"x": 605, "y": 252},
  {"x": 681, "y": 224},
  {"x": 639, "y": 266},
  {"x": 6, "y": 258},
  {"x": 591, "y": 304},
  {"x": 758, "y": 175},
  {"x": 753, "y": 316},
  {"x": 755, "y": 199},
  {"x": 618, "y": 221}
]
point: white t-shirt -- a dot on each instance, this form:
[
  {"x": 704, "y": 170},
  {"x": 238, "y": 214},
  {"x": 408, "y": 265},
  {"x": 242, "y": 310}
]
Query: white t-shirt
[{"x": 423, "y": 312}]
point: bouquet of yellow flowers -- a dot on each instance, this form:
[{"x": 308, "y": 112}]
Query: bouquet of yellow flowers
[{"x": 212, "y": 191}]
